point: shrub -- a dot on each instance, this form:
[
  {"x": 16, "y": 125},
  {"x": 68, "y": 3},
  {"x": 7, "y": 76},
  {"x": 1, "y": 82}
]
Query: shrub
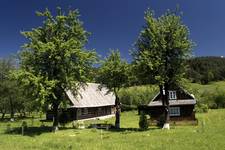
[
  {"x": 201, "y": 108},
  {"x": 143, "y": 122},
  {"x": 213, "y": 97},
  {"x": 220, "y": 100},
  {"x": 75, "y": 125}
]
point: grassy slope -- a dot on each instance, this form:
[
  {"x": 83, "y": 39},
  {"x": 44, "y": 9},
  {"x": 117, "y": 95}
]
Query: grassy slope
[
  {"x": 213, "y": 86},
  {"x": 209, "y": 134}
]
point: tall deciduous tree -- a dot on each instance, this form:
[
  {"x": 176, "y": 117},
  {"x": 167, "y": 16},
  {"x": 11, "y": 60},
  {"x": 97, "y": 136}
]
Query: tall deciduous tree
[
  {"x": 10, "y": 92},
  {"x": 162, "y": 47},
  {"x": 5, "y": 87},
  {"x": 113, "y": 75},
  {"x": 54, "y": 58}
]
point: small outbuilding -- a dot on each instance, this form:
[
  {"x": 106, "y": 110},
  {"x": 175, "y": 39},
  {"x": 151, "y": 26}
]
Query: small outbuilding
[
  {"x": 181, "y": 103},
  {"x": 91, "y": 102}
]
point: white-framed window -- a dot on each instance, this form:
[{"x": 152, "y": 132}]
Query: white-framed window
[
  {"x": 174, "y": 111},
  {"x": 172, "y": 95}
]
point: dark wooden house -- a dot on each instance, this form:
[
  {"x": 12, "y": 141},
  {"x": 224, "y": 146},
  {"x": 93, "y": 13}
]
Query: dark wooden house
[
  {"x": 91, "y": 102},
  {"x": 181, "y": 106}
]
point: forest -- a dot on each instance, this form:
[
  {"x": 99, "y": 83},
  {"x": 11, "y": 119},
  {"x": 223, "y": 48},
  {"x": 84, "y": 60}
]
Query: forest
[{"x": 206, "y": 69}]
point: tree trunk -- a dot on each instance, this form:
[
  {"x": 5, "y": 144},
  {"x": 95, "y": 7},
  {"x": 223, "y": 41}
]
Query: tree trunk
[
  {"x": 162, "y": 94},
  {"x": 167, "y": 107},
  {"x": 3, "y": 115},
  {"x": 11, "y": 110},
  {"x": 55, "y": 117},
  {"x": 118, "y": 110}
]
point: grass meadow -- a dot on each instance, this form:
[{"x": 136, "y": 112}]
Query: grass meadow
[{"x": 208, "y": 134}]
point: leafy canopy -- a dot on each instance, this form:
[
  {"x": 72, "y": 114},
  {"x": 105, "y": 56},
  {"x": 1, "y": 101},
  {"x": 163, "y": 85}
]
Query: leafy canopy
[
  {"x": 162, "y": 47},
  {"x": 113, "y": 72},
  {"x": 54, "y": 58}
]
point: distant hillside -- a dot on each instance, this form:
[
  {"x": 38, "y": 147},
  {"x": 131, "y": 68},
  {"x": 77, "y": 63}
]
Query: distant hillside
[{"x": 206, "y": 69}]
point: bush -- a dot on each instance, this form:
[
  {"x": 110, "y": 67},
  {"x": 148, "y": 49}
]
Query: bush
[
  {"x": 201, "y": 108},
  {"x": 211, "y": 96},
  {"x": 75, "y": 125},
  {"x": 143, "y": 122},
  {"x": 220, "y": 100}
]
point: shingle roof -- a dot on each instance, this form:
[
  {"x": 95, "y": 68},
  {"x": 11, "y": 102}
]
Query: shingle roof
[
  {"x": 91, "y": 96},
  {"x": 174, "y": 102}
]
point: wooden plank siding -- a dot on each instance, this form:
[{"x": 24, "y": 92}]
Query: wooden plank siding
[
  {"x": 79, "y": 113},
  {"x": 186, "y": 112},
  {"x": 180, "y": 94},
  {"x": 94, "y": 112}
]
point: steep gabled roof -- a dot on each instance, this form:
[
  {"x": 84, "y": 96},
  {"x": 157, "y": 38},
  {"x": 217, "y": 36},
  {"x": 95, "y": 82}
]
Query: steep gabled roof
[
  {"x": 189, "y": 100},
  {"x": 91, "y": 96}
]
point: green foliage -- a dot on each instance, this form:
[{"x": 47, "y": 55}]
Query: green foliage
[
  {"x": 206, "y": 69},
  {"x": 137, "y": 95},
  {"x": 220, "y": 100},
  {"x": 211, "y": 94},
  {"x": 13, "y": 98},
  {"x": 215, "y": 100},
  {"x": 113, "y": 72},
  {"x": 201, "y": 108},
  {"x": 162, "y": 47},
  {"x": 143, "y": 122},
  {"x": 54, "y": 58},
  {"x": 125, "y": 107}
]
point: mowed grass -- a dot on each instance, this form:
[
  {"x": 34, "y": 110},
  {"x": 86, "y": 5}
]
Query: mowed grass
[{"x": 208, "y": 134}]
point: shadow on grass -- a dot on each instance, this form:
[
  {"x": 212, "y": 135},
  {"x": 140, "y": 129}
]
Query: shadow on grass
[
  {"x": 111, "y": 128},
  {"x": 8, "y": 119},
  {"x": 129, "y": 130},
  {"x": 33, "y": 131}
]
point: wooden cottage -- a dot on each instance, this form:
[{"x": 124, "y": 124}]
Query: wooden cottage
[
  {"x": 181, "y": 106},
  {"x": 91, "y": 102}
]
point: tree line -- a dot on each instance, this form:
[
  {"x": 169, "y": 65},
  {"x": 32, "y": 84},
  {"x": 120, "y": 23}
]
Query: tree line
[{"x": 206, "y": 69}]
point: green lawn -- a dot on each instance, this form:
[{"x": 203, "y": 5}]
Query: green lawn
[{"x": 209, "y": 134}]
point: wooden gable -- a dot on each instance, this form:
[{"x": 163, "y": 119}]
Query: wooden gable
[{"x": 181, "y": 94}]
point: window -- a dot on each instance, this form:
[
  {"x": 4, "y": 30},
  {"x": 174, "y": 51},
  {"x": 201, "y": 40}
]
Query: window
[
  {"x": 99, "y": 110},
  {"x": 174, "y": 111},
  {"x": 78, "y": 112},
  {"x": 172, "y": 95},
  {"x": 84, "y": 111}
]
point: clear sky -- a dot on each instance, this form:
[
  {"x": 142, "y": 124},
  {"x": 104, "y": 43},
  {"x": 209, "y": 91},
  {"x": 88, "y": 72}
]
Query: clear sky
[{"x": 115, "y": 24}]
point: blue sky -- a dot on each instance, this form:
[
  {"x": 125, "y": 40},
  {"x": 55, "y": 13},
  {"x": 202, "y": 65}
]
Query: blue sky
[{"x": 115, "y": 24}]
